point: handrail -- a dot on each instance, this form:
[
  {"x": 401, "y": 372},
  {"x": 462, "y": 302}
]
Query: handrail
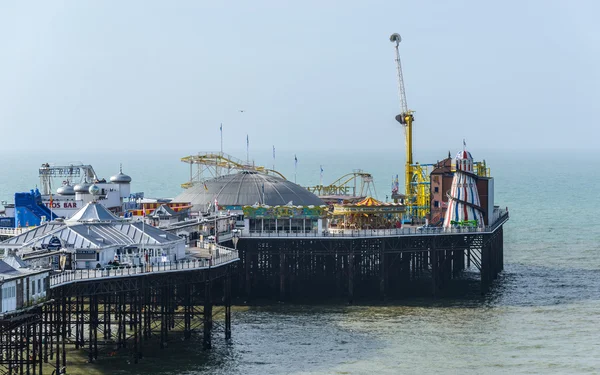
[
  {"x": 14, "y": 231},
  {"x": 380, "y": 232},
  {"x": 64, "y": 277}
]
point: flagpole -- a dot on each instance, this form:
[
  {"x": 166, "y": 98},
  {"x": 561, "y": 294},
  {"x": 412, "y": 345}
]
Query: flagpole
[
  {"x": 295, "y": 167},
  {"x": 273, "y": 158},
  {"x": 221, "y": 128},
  {"x": 321, "y": 177},
  {"x": 143, "y": 232},
  {"x": 247, "y": 150}
]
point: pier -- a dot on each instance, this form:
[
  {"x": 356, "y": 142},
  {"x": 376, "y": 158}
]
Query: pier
[
  {"x": 119, "y": 308},
  {"x": 366, "y": 264}
]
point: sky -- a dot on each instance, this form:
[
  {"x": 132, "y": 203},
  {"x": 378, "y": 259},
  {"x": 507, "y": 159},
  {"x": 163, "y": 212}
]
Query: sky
[{"x": 308, "y": 75}]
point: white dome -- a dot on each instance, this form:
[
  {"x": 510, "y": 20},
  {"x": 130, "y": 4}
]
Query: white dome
[
  {"x": 82, "y": 188},
  {"x": 120, "y": 178},
  {"x": 66, "y": 190}
]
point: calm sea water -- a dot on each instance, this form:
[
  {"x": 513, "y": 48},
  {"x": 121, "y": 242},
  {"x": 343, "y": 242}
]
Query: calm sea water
[{"x": 542, "y": 316}]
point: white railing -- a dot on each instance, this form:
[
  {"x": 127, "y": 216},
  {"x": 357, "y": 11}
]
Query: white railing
[
  {"x": 407, "y": 231},
  {"x": 224, "y": 256},
  {"x": 13, "y": 231}
]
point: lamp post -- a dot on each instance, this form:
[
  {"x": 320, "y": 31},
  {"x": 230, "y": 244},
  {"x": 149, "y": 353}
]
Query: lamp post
[{"x": 235, "y": 238}]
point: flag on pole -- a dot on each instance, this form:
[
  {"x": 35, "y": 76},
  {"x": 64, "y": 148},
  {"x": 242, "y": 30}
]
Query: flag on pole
[
  {"x": 144, "y": 211},
  {"x": 321, "y": 170},
  {"x": 216, "y": 205},
  {"x": 273, "y": 152},
  {"x": 221, "y": 128},
  {"x": 295, "y": 161},
  {"x": 247, "y": 141},
  {"x": 205, "y": 187}
]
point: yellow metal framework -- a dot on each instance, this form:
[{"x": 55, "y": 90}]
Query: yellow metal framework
[
  {"x": 356, "y": 184},
  {"x": 216, "y": 164}
]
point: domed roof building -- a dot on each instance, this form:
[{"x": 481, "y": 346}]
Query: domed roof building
[{"x": 247, "y": 188}]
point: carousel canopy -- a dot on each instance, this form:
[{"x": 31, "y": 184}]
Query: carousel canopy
[{"x": 369, "y": 206}]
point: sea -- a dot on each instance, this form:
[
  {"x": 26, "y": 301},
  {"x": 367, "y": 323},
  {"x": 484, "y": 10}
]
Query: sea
[{"x": 541, "y": 316}]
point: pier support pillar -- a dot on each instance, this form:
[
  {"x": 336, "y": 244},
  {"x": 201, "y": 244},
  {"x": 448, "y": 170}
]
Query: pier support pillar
[
  {"x": 228, "y": 304},
  {"x": 282, "y": 272},
  {"x": 351, "y": 276},
  {"x": 207, "y": 339},
  {"x": 382, "y": 270},
  {"x": 433, "y": 256}
]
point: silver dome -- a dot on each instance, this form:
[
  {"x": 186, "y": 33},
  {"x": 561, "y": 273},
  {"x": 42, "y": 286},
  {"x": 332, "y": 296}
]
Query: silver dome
[
  {"x": 66, "y": 190},
  {"x": 82, "y": 188},
  {"x": 94, "y": 189},
  {"x": 120, "y": 178},
  {"x": 245, "y": 189}
]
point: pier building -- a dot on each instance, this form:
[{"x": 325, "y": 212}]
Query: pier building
[
  {"x": 95, "y": 238},
  {"x": 246, "y": 188}
]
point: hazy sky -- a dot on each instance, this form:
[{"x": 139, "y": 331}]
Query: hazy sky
[{"x": 158, "y": 75}]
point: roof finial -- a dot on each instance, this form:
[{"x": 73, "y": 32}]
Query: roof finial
[{"x": 121, "y": 167}]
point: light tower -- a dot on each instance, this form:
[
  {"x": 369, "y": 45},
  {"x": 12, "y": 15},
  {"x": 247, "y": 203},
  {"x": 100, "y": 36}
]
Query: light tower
[{"x": 416, "y": 178}]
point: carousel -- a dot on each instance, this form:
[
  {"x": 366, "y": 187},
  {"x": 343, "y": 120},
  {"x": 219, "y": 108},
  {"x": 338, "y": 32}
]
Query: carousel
[{"x": 369, "y": 213}]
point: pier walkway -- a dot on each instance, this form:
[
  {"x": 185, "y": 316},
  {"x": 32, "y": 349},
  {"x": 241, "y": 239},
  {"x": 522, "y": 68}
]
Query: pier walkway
[
  {"x": 374, "y": 233},
  {"x": 222, "y": 256}
]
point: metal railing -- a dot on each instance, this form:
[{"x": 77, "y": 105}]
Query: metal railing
[
  {"x": 224, "y": 256},
  {"x": 407, "y": 231},
  {"x": 13, "y": 231}
]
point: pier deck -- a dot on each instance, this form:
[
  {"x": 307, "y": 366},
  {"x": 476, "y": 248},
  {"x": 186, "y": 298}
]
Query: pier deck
[
  {"x": 365, "y": 263},
  {"x": 121, "y": 307}
]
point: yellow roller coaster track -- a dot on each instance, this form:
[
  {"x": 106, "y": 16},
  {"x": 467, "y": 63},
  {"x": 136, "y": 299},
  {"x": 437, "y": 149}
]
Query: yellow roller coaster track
[
  {"x": 216, "y": 163},
  {"x": 344, "y": 186}
]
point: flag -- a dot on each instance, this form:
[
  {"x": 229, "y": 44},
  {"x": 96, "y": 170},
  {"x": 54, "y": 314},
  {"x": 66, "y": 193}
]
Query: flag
[
  {"x": 216, "y": 205},
  {"x": 464, "y": 143},
  {"x": 221, "y": 128},
  {"x": 51, "y": 200},
  {"x": 295, "y": 160},
  {"x": 247, "y": 141},
  {"x": 205, "y": 187},
  {"x": 321, "y": 169},
  {"x": 144, "y": 211},
  {"x": 273, "y": 152}
]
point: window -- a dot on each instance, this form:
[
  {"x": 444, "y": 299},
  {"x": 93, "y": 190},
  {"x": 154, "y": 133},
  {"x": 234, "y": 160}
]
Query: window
[
  {"x": 436, "y": 189},
  {"x": 436, "y": 204},
  {"x": 33, "y": 287},
  {"x": 39, "y": 285}
]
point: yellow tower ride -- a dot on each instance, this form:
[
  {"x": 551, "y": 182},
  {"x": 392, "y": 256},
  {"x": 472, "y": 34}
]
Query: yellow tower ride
[{"x": 416, "y": 178}]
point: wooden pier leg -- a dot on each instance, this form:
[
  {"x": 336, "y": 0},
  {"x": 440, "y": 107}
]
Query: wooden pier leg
[
  {"x": 207, "y": 340},
  {"x": 135, "y": 297},
  {"x": 351, "y": 275},
  {"x": 469, "y": 258},
  {"x": 228, "y": 304},
  {"x": 484, "y": 269},
  {"x": 413, "y": 261},
  {"x": 64, "y": 324},
  {"x": 434, "y": 271},
  {"x": 163, "y": 317},
  {"x": 57, "y": 332},
  {"x": 247, "y": 268},
  {"x": 382, "y": 270},
  {"x": 282, "y": 272}
]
